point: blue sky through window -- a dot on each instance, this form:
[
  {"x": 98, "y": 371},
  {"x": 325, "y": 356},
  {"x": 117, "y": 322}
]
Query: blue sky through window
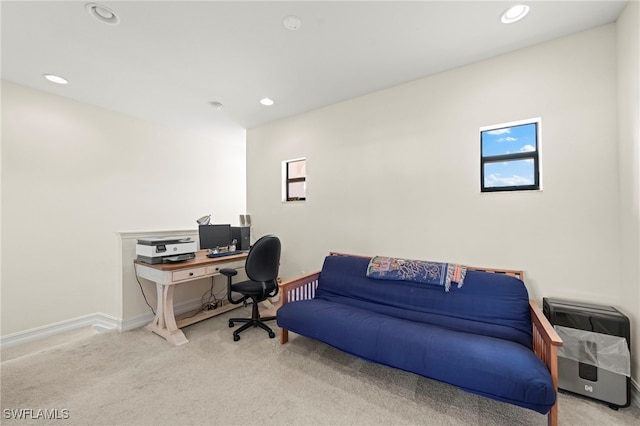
[
  {"x": 509, "y": 173},
  {"x": 509, "y": 140}
]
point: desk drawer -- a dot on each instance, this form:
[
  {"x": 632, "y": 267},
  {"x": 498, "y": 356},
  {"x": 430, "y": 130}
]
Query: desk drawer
[
  {"x": 215, "y": 269},
  {"x": 188, "y": 274}
]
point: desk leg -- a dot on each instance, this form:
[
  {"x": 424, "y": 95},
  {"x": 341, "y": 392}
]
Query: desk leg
[{"x": 164, "y": 323}]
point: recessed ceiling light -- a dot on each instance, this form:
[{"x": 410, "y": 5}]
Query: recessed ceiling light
[
  {"x": 266, "y": 101},
  {"x": 216, "y": 105},
  {"x": 55, "y": 79},
  {"x": 292, "y": 23},
  {"x": 102, "y": 13},
  {"x": 514, "y": 13}
]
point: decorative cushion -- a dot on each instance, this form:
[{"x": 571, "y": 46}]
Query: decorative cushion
[{"x": 421, "y": 271}]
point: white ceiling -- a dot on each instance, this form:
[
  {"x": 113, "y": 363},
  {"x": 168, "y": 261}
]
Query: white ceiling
[{"x": 166, "y": 60}]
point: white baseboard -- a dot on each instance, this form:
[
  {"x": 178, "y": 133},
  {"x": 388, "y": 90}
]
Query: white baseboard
[
  {"x": 93, "y": 320},
  {"x": 136, "y": 322},
  {"x": 144, "y": 319},
  {"x": 96, "y": 320}
]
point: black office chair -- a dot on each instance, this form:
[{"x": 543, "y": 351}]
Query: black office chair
[{"x": 261, "y": 267}]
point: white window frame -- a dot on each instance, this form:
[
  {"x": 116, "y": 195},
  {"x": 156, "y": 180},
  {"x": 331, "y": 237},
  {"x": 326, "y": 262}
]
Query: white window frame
[
  {"x": 285, "y": 181},
  {"x": 535, "y": 156}
]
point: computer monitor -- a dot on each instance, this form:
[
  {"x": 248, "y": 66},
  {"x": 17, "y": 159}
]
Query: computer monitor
[{"x": 212, "y": 236}]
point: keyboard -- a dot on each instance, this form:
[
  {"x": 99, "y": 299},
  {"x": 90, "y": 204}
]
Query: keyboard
[{"x": 226, "y": 253}]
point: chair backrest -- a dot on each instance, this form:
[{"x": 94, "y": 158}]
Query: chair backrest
[{"x": 263, "y": 260}]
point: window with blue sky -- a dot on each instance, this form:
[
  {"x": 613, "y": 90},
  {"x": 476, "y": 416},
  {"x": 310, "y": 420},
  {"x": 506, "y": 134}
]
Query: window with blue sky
[{"x": 510, "y": 156}]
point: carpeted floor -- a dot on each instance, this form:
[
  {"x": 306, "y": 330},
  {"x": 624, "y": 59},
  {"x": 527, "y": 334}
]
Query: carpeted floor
[{"x": 136, "y": 378}]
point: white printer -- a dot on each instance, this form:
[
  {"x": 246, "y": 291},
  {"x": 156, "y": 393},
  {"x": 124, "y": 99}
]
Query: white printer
[{"x": 165, "y": 249}]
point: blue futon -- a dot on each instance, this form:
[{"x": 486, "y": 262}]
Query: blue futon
[{"x": 479, "y": 337}]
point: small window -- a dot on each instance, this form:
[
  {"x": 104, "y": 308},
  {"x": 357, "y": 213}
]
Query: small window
[
  {"x": 510, "y": 158},
  {"x": 295, "y": 180}
]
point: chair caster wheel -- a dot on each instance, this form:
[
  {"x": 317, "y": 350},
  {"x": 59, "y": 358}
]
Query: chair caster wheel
[
  {"x": 236, "y": 337},
  {"x": 272, "y": 335},
  {"x": 230, "y": 324}
]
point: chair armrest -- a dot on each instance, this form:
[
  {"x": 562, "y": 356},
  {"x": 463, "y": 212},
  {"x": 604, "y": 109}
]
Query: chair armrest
[
  {"x": 545, "y": 345},
  {"x": 228, "y": 272}
]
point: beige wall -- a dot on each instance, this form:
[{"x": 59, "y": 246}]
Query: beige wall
[
  {"x": 73, "y": 176},
  {"x": 397, "y": 172},
  {"x": 394, "y": 172},
  {"x": 628, "y": 37}
]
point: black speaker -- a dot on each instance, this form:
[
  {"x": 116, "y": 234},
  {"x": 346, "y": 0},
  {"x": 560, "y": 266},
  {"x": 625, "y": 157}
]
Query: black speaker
[{"x": 242, "y": 235}]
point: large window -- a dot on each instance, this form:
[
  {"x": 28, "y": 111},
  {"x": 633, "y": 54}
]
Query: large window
[
  {"x": 295, "y": 180},
  {"x": 510, "y": 159}
]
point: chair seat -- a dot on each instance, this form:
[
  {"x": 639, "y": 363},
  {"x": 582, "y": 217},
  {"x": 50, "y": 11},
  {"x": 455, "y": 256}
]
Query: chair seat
[{"x": 250, "y": 288}]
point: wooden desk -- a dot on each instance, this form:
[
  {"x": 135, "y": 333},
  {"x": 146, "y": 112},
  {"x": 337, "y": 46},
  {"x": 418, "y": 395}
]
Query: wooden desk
[{"x": 168, "y": 275}]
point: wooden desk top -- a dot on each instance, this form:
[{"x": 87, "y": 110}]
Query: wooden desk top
[{"x": 201, "y": 259}]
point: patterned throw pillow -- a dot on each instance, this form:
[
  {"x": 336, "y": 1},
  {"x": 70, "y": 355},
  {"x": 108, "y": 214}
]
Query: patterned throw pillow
[{"x": 421, "y": 271}]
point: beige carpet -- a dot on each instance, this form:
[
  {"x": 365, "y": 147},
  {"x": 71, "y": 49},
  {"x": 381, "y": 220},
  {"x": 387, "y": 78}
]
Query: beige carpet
[{"x": 136, "y": 378}]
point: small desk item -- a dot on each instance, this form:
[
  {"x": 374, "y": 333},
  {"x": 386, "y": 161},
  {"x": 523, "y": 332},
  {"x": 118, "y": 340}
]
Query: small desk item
[
  {"x": 168, "y": 275},
  {"x": 227, "y": 253}
]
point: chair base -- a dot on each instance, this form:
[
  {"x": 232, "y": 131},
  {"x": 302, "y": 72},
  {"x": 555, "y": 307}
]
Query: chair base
[{"x": 254, "y": 321}]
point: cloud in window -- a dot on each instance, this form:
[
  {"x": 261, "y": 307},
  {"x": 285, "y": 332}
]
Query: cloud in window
[
  {"x": 496, "y": 179},
  {"x": 528, "y": 148},
  {"x": 499, "y": 131}
]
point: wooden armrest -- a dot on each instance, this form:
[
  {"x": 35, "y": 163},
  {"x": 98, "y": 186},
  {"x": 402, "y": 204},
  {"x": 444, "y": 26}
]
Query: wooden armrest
[
  {"x": 543, "y": 325},
  {"x": 545, "y": 345},
  {"x": 300, "y": 288}
]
